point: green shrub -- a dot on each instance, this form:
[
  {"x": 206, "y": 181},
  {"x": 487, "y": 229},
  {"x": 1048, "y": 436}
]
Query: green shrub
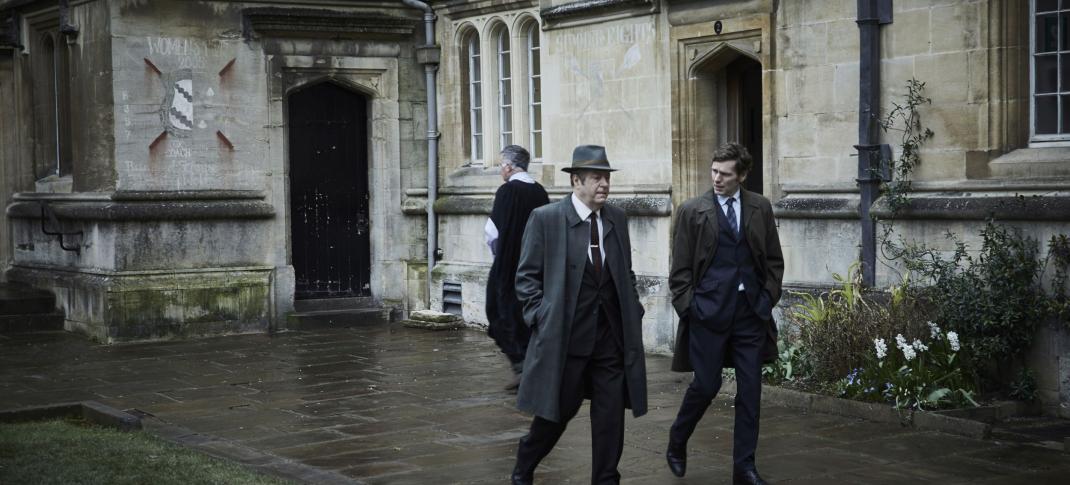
[
  {"x": 1024, "y": 386},
  {"x": 994, "y": 300},
  {"x": 836, "y": 328},
  {"x": 792, "y": 364}
]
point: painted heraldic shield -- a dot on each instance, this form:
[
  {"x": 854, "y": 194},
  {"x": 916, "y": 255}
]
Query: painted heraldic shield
[{"x": 178, "y": 107}]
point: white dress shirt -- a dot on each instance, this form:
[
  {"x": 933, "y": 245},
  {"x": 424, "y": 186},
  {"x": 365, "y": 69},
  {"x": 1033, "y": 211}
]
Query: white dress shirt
[
  {"x": 585, "y": 212},
  {"x": 490, "y": 231}
]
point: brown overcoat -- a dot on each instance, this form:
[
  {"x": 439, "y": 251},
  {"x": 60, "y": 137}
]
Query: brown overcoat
[{"x": 693, "y": 245}]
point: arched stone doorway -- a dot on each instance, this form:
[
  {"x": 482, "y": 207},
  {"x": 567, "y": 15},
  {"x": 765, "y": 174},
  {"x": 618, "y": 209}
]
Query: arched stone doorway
[
  {"x": 329, "y": 198},
  {"x": 720, "y": 100}
]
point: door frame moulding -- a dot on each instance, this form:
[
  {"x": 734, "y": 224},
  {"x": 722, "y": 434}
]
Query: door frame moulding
[
  {"x": 693, "y": 47},
  {"x": 377, "y": 79}
]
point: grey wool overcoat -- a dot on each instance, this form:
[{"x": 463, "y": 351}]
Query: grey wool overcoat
[
  {"x": 552, "y": 260},
  {"x": 693, "y": 243}
]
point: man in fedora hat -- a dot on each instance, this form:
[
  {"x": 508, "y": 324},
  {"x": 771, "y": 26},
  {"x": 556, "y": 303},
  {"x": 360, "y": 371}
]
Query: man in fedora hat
[{"x": 576, "y": 284}]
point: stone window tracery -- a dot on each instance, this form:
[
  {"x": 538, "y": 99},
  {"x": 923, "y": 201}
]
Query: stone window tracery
[
  {"x": 505, "y": 88},
  {"x": 1050, "y": 70},
  {"x": 534, "y": 87},
  {"x": 474, "y": 92}
]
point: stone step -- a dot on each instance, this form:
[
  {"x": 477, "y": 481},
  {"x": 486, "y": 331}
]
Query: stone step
[
  {"x": 338, "y": 318},
  {"x": 329, "y": 304},
  {"x": 19, "y": 299},
  {"x": 34, "y": 322}
]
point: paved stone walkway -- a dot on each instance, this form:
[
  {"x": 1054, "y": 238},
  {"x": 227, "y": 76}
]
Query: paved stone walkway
[{"x": 384, "y": 404}]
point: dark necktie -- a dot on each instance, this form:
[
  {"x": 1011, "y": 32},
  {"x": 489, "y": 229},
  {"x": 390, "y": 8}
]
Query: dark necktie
[
  {"x": 732, "y": 215},
  {"x": 596, "y": 250}
]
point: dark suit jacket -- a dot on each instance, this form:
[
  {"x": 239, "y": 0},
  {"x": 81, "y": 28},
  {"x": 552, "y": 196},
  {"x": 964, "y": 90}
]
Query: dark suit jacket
[
  {"x": 694, "y": 243},
  {"x": 552, "y": 261}
]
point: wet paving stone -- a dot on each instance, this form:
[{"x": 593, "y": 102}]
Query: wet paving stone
[{"x": 384, "y": 404}]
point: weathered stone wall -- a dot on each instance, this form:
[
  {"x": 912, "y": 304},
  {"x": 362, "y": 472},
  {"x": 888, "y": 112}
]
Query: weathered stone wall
[
  {"x": 10, "y": 179},
  {"x": 92, "y": 115},
  {"x": 972, "y": 57},
  {"x": 608, "y": 84},
  {"x": 157, "y": 59},
  {"x": 185, "y": 122}
]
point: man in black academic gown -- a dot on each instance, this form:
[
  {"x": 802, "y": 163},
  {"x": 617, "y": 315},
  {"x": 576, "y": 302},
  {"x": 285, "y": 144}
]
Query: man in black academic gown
[{"x": 513, "y": 203}]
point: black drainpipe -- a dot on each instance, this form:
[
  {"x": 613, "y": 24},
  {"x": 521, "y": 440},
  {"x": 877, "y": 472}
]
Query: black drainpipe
[{"x": 871, "y": 15}]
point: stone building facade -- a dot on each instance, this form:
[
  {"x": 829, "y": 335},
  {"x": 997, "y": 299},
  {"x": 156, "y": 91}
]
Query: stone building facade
[
  {"x": 197, "y": 228},
  {"x": 662, "y": 83},
  {"x": 163, "y": 140}
]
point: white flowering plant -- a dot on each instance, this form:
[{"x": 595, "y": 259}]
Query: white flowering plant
[{"x": 915, "y": 374}]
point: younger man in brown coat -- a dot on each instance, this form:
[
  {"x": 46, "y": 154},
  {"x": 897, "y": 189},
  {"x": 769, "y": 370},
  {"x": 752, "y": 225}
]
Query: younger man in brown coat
[{"x": 726, "y": 274}]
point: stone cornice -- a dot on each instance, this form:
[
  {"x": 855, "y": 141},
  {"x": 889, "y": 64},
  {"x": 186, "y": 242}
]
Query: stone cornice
[
  {"x": 587, "y": 11},
  {"x": 635, "y": 203},
  {"x": 323, "y": 23},
  {"x": 460, "y": 9},
  {"x": 935, "y": 206},
  {"x": 146, "y": 206}
]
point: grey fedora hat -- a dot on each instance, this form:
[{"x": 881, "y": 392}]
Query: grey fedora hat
[{"x": 589, "y": 157}]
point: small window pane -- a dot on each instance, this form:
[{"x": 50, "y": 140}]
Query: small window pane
[
  {"x": 1047, "y": 115},
  {"x": 1047, "y": 5},
  {"x": 507, "y": 120},
  {"x": 1065, "y": 115},
  {"x": 1064, "y": 72},
  {"x": 536, "y": 123},
  {"x": 1047, "y": 33},
  {"x": 478, "y": 141},
  {"x": 536, "y": 63},
  {"x": 1064, "y": 22},
  {"x": 479, "y": 121},
  {"x": 507, "y": 96},
  {"x": 537, "y": 144},
  {"x": 536, "y": 88},
  {"x": 1046, "y": 74}
]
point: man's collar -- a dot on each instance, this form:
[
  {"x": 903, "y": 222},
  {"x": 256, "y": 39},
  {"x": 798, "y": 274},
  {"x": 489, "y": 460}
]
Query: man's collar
[
  {"x": 721, "y": 199},
  {"x": 521, "y": 176},
  {"x": 581, "y": 209}
]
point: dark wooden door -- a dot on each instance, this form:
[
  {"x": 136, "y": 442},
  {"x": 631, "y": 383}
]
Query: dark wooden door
[{"x": 330, "y": 236}]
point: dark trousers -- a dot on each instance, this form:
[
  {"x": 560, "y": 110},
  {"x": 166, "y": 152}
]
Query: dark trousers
[
  {"x": 742, "y": 340},
  {"x": 602, "y": 373}
]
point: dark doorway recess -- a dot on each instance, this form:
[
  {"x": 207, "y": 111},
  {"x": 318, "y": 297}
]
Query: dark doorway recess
[
  {"x": 744, "y": 76},
  {"x": 329, "y": 223}
]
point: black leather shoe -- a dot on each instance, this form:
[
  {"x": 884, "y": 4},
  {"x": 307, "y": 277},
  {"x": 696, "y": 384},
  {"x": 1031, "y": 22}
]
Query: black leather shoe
[
  {"x": 519, "y": 478},
  {"x": 677, "y": 458},
  {"x": 747, "y": 477}
]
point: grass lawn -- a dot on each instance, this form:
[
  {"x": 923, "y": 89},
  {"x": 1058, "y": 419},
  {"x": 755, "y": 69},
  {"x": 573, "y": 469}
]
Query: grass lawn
[{"x": 69, "y": 452}]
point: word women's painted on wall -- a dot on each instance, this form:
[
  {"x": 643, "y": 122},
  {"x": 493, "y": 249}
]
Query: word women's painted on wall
[{"x": 182, "y": 52}]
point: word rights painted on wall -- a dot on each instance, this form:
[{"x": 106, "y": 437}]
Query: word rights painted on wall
[{"x": 601, "y": 37}]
